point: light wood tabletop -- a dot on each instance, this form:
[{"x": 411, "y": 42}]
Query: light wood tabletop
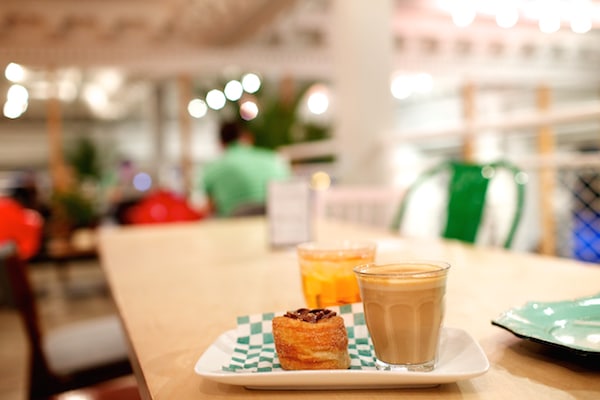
[{"x": 179, "y": 287}]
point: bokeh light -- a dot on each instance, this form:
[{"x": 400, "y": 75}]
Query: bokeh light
[
  {"x": 251, "y": 83},
  {"x": 248, "y": 110},
  {"x": 197, "y": 108},
  {"x": 17, "y": 93},
  {"x": 549, "y": 23},
  {"x": 216, "y": 99},
  {"x": 233, "y": 90},
  {"x": 463, "y": 14},
  {"x": 318, "y": 102},
  {"x": 14, "y": 72},
  {"x": 13, "y": 110},
  {"x": 95, "y": 96},
  {"x": 401, "y": 86},
  {"x": 17, "y": 99},
  {"x": 142, "y": 181},
  {"x": 507, "y": 16},
  {"x": 320, "y": 181},
  {"x": 581, "y": 24}
]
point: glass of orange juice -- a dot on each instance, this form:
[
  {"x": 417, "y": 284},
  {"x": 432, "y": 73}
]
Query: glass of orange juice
[{"x": 327, "y": 273}]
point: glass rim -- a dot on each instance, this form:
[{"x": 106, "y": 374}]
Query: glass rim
[
  {"x": 367, "y": 269},
  {"x": 327, "y": 246}
]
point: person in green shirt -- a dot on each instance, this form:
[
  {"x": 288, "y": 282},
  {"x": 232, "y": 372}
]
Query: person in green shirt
[{"x": 236, "y": 183}]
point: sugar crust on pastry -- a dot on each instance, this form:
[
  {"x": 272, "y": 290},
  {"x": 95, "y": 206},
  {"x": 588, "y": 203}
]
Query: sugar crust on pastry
[{"x": 311, "y": 339}]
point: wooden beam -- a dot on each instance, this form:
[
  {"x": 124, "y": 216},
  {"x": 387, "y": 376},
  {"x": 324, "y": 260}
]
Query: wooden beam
[
  {"x": 468, "y": 100},
  {"x": 59, "y": 172},
  {"x": 185, "y": 129},
  {"x": 546, "y": 148}
]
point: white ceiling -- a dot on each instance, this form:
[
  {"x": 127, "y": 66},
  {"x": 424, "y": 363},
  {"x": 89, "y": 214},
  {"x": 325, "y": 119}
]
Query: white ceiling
[
  {"x": 165, "y": 38},
  {"x": 172, "y": 36},
  {"x": 153, "y": 34}
]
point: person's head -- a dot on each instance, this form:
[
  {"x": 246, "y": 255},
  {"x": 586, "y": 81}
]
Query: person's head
[{"x": 233, "y": 132}]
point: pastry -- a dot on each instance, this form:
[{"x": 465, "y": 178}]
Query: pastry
[{"x": 311, "y": 339}]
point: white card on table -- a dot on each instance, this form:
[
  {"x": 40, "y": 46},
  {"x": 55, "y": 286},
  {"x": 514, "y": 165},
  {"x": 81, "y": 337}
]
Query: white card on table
[{"x": 289, "y": 212}]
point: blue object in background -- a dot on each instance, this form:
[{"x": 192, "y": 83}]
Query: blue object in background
[
  {"x": 586, "y": 227},
  {"x": 586, "y": 236}
]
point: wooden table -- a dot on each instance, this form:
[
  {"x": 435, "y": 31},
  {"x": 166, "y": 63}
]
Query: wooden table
[{"x": 178, "y": 287}]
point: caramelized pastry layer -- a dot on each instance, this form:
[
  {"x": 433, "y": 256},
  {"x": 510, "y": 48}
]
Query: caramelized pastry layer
[{"x": 311, "y": 339}]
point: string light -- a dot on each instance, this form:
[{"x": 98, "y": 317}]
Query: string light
[
  {"x": 216, "y": 99},
  {"x": 550, "y": 15}
]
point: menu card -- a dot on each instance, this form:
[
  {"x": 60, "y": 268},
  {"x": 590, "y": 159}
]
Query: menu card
[{"x": 289, "y": 212}]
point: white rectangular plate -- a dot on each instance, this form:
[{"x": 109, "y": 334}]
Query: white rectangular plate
[{"x": 460, "y": 358}]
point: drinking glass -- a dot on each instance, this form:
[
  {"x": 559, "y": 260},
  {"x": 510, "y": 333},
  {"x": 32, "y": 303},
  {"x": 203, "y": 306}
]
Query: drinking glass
[
  {"x": 327, "y": 273},
  {"x": 404, "y": 309}
]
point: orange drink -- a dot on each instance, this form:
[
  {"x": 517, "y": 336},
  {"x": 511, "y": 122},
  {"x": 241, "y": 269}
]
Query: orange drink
[{"x": 327, "y": 271}]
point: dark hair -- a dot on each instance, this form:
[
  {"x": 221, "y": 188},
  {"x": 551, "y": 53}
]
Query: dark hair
[{"x": 230, "y": 132}]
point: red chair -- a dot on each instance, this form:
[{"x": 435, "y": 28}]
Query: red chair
[
  {"x": 162, "y": 207},
  {"x": 20, "y": 225}
]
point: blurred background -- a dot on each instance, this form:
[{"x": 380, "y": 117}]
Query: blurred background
[
  {"x": 124, "y": 97},
  {"x": 106, "y": 103}
]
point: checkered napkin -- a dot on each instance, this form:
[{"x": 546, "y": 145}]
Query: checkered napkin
[{"x": 255, "y": 350}]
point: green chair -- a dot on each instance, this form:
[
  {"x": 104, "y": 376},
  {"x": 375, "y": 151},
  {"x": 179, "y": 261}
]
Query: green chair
[{"x": 467, "y": 193}]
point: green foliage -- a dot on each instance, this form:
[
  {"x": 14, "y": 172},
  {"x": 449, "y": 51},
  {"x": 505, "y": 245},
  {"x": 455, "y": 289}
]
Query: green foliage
[
  {"x": 278, "y": 123},
  {"x": 74, "y": 208},
  {"x": 314, "y": 132},
  {"x": 277, "y": 119},
  {"x": 84, "y": 159}
]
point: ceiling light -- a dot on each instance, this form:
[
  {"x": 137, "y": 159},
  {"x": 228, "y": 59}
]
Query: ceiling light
[
  {"x": 463, "y": 13},
  {"x": 581, "y": 25},
  {"x": 17, "y": 93},
  {"x": 13, "y": 109},
  {"x": 14, "y": 72},
  {"x": 401, "y": 87},
  {"x": 507, "y": 17},
  {"x": 549, "y": 23},
  {"x": 95, "y": 96}
]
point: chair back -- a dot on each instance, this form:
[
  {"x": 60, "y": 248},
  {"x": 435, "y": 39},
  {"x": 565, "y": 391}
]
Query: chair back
[
  {"x": 467, "y": 195},
  {"x": 160, "y": 207},
  {"x": 94, "y": 347},
  {"x": 22, "y": 297}
]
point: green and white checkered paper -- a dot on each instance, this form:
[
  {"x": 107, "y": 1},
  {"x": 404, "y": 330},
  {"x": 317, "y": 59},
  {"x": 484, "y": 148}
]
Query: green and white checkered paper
[{"x": 255, "y": 350}]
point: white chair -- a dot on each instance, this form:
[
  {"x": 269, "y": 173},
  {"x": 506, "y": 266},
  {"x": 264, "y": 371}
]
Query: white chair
[{"x": 366, "y": 205}]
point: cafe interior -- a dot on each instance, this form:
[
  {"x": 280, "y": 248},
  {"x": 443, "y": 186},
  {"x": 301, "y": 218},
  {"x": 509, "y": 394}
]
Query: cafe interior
[{"x": 469, "y": 127}]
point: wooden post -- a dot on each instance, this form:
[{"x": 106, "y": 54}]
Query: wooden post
[
  {"x": 185, "y": 127},
  {"x": 546, "y": 148},
  {"x": 468, "y": 99},
  {"x": 58, "y": 171}
]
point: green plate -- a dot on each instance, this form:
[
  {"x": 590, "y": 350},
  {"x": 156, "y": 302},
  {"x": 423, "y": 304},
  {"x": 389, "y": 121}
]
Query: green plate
[{"x": 573, "y": 325}]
